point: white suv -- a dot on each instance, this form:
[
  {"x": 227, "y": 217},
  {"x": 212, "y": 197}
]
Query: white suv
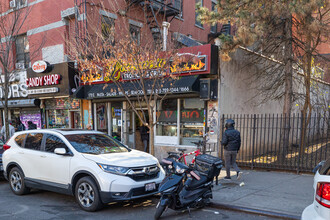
[
  {"x": 320, "y": 208},
  {"x": 91, "y": 165}
]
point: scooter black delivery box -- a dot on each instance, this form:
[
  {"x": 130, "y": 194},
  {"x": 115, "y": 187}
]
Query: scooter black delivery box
[{"x": 208, "y": 165}]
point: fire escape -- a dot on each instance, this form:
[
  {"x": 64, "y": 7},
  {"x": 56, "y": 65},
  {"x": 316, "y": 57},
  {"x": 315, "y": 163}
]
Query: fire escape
[{"x": 155, "y": 12}]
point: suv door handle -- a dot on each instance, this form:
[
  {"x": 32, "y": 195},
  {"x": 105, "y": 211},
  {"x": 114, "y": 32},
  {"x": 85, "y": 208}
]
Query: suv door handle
[{"x": 43, "y": 156}]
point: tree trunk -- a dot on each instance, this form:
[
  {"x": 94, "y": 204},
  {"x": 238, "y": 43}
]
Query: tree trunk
[
  {"x": 287, "y": 107},
  {"x": 6, "y": 88},
  {"x": 307, "y": 109},
  {"x": 151, "y": 136}
]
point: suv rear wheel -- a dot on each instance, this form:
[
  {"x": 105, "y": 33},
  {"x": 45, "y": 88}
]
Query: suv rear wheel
[
  {"x": 87, "y": 194},
  {"x": 16, "y": 182}
]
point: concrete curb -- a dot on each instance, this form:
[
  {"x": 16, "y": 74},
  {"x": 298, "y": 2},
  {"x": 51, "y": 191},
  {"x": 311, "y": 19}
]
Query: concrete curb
[{"x": 254, "y": 211}]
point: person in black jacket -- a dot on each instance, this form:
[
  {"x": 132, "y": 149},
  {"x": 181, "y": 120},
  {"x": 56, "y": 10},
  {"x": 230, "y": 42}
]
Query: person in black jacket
[
  {"x": 231, "y": 140},
  {"x": 144, "y": 132},
  {"x": 31, "y": 125}
]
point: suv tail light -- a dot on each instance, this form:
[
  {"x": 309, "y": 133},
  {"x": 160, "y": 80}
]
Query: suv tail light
[
  {"x": 323, "y": 194},
  {"x": 6, "y": 146}
]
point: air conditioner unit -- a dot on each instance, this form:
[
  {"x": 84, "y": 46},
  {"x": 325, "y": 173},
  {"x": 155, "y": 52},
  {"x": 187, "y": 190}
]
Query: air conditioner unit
[
  {"x": 19, "y": 66},
  {"x": 12, "y": 4}
]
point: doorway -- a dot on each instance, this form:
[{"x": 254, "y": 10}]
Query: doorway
[
  {"x": 75, "y": 119},
  {"x": 141, "y": 132}
]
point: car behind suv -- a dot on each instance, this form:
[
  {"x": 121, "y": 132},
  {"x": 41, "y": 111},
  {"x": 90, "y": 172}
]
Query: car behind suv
[
  {"x": 91, "y": 165},
  {"x": 320, "y": 209}
]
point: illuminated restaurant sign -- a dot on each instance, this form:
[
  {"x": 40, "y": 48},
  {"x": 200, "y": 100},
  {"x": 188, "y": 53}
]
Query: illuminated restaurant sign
[{"x": 188, "y": 61}]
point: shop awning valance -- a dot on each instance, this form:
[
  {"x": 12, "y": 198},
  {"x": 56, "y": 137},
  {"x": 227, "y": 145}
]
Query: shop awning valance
[{"x": 185, "y": 84}]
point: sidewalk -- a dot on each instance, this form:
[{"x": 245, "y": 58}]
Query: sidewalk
[{"x": 272, "y": 193}]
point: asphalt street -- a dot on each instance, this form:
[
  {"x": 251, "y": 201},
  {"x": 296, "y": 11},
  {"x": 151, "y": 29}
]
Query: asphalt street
[{"x": 49, "y": 205}]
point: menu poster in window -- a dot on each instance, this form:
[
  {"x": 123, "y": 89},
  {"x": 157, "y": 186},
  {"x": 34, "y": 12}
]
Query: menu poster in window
[
  {"x": 212, "y": 120},
  {"x": 35, "y": 118}
]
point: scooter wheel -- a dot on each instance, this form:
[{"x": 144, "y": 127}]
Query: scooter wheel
[{"x": 159, "y": 211}]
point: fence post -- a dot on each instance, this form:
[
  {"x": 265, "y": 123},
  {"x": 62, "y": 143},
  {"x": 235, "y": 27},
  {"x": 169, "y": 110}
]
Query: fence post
[
  {"x": 221, "y": 132},
  {"x": 253, "y": 138},
  {"x": 300, "y": 142}
]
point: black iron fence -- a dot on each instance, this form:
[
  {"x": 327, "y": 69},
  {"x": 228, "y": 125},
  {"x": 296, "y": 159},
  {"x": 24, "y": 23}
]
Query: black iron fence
[{"x": 274, "y": 141}]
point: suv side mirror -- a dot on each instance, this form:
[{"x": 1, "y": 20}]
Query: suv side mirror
[{"x": 60, "y": 151}]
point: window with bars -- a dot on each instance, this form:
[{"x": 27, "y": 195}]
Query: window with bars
[{"x": 22, "y": 51}]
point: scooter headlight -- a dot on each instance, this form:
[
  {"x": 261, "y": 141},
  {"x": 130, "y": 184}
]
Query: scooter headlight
[{"x": 179, "y": 169}]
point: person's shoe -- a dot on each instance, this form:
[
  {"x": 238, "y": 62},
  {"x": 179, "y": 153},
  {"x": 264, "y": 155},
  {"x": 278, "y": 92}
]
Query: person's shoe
[
  {"x": 227, "y": 178},
  {"x": 239, "y": 175}
]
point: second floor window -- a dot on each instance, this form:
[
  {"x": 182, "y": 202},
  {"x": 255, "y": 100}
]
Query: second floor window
[
  {"x": 197, "y": 21},
  {"x": 135, "y": 33},
  {"x": 108, "y": 29},
  {"x": 214, "y": 27},
  {"x": 22, "y": 52}
]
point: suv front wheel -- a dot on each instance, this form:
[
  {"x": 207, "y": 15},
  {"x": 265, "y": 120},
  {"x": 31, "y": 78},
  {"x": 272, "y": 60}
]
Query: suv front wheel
[
  {"x": 87, "y": 194},
  {"x": 16, "y": 181}
]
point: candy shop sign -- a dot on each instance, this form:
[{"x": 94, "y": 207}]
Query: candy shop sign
[{"x": 48, "y": 80}]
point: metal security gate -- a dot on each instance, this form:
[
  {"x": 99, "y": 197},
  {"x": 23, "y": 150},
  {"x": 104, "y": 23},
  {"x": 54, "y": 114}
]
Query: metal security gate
[{"x": 263, "y": 146}]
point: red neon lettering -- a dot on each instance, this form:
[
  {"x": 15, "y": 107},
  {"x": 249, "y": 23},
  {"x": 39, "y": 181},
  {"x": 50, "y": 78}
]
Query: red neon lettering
[{"x": 168, "y": 114}]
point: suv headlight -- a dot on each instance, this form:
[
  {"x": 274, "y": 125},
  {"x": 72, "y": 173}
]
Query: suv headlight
[{"x": 113, "y": 169}]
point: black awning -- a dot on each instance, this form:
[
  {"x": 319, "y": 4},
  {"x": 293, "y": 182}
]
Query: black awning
[
  {"x": 80, "y": 93},
  {"x": 185, "y": 84}
]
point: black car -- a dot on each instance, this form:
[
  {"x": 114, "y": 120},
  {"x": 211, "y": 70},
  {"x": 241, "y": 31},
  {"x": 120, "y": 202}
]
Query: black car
[{"x": 1, "y": 151}]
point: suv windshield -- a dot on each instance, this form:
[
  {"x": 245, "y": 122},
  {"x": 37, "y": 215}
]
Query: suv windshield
[{"x": 95, "y": 144}]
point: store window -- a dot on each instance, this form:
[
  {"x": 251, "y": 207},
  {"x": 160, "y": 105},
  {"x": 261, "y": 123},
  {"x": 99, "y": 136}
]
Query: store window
[
  {"x": 22, "y": 52},
  {"x": 59, "y": 112},
  {"x": 101, "y": 117},
  {"x": 167, "y": 118},
  {"x": 116, "y": 114},
  {"x": 191, "y": 121},
  {"x": 30, "y": 115},
  {"x": 58, "y": 118}
]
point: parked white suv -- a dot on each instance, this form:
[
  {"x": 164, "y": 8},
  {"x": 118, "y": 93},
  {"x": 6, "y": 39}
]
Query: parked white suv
[
  {"x": 320, "y": 208},
  {"x": 91, "y": 165}
]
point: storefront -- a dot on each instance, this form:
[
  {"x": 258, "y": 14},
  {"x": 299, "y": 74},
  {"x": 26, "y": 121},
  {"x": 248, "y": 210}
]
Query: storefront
[
  {"x": 52, "y": 86},
  {"x": 181, "y": 117},
  {"x": 20, "y": 108}
]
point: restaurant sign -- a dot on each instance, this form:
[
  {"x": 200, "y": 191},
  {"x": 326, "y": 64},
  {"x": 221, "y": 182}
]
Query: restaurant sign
[{"x": 188, "y": 61}]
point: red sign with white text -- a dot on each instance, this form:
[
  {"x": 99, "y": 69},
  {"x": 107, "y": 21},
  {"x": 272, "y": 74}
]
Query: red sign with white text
[
  {"x": 48, "y": 80},
  {"x": 39, "y": 66}
]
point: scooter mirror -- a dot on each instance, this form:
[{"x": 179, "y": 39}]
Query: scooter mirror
[{"x": 167, "y": 162}]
